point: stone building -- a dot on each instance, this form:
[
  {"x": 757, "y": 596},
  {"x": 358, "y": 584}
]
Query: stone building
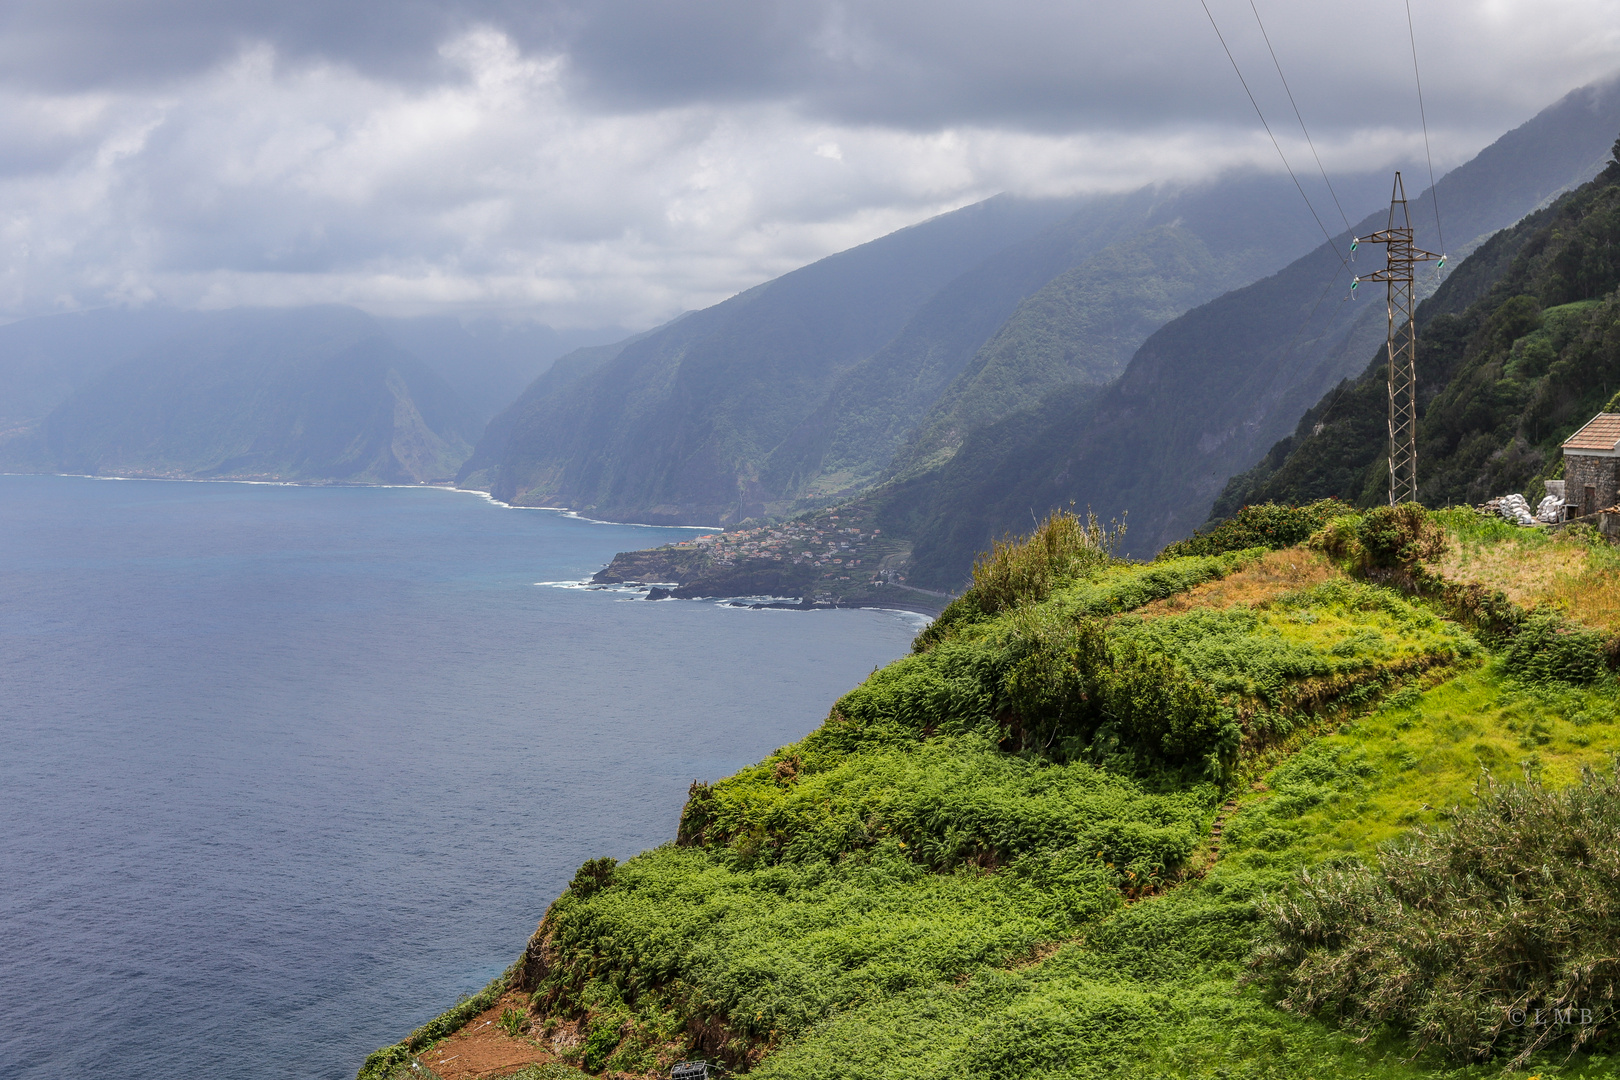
[{"x": 1592, "y": 466}]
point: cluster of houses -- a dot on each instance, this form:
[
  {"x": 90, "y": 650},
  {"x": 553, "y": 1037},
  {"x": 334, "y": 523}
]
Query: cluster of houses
[{"x": 821, "y": 542}]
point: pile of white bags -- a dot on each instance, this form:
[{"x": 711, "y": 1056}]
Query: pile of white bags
[
  {"x": 1550, "y": 509},
  {"x": 1514, "y": 508}
]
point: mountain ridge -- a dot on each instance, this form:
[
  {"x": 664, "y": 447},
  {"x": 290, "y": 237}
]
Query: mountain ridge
[
  {"x": 313, "y": 394},
  {"x": 1208, "y": 392}
]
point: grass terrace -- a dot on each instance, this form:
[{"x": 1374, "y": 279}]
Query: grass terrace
[{"x": 1120, "y": 819}]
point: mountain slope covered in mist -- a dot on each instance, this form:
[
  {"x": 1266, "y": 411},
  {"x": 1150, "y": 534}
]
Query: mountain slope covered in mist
[
  {"x": 1205, "y": 395},
  {"x": 805, "y": 388},
  {"x": 302, "y": 394}
]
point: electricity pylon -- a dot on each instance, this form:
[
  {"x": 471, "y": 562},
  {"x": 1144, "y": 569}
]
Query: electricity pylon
[{"x": 1400, "y": 256}]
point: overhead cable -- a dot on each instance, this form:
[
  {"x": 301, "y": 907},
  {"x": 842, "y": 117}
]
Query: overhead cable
[
  {"x": 1297, "y": 116},
  {"x": 1269, "y": 132},
  {"x": 1422, "y": 114}
]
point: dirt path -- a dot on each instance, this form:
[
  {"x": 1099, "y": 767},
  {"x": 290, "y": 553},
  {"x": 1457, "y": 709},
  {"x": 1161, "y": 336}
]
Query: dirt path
[{"x": 482, "y": 1049}]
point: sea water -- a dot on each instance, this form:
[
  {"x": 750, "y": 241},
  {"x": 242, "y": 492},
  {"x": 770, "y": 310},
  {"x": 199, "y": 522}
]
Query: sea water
[{"x": 286, "y": 770}]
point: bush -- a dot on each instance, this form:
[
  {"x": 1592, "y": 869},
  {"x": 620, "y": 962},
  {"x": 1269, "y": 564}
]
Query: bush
[
  {"x": 593, "y": 876},
  {"x": 1052, "y": 685},
  {"x": 513, "y": 1021},
  {"x": 1463, "y": 933},
  {"x": 1025, "y": 570},
  {"x": 1384, "y": 538},
  {"x": 1157, "y": 708},
  {"x": 1267, "y": 525},
  {"x": 1547, "y": 647}
]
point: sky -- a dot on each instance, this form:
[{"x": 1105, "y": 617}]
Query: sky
[{"x": 614, "y": 162}]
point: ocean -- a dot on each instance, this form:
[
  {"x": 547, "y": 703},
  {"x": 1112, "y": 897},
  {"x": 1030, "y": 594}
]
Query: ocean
[{"x": 286, "y": 770}]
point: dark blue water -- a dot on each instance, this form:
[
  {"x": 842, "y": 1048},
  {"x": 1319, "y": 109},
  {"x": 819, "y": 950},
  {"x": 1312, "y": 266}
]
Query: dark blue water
[{"x": 285, "y": 770}]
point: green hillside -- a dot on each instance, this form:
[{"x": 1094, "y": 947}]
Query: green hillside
[
  {"x": 804, "y": 389},
  {"x": 1506, "y": 372},
  {"x": 1249, "y": 810},
  {"x": 302, "y": 394},
  {"x": 1204, "y": 396},
  {"x": 870, "y": 412},
  {"x": 678, "y": 424},
  {"x": 1082, "y": 327}
]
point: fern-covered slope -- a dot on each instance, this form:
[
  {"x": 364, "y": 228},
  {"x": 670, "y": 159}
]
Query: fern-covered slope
[{"x": 1044, "y": 844}]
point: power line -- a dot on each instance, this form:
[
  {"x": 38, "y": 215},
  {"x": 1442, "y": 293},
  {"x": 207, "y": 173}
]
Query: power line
[
  {"x": 1297, "y": 115},
  {"x": 1274, "y": 141},
  {"x": 1433, "y": 194}
]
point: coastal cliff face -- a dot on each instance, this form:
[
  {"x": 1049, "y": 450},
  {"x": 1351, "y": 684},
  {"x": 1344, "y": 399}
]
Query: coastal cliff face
[
  {"x": 830, "y": 559},
  {"x": 661, "y": 566},
  {"x": 1065, "y": 837}
]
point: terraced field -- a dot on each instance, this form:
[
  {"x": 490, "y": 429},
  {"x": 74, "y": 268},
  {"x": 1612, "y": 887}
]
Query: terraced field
[{"x": 997, "y": 856}]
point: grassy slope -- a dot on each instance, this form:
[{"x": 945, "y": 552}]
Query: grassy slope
[{"x": 900, "y": 895}]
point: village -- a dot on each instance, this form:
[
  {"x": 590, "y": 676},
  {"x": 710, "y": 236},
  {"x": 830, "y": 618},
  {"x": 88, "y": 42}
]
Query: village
[{"x": 845, "y": 546}]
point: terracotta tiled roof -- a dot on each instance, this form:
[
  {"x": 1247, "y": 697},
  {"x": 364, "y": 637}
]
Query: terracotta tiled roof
[{"x": 1603, "y": 433}]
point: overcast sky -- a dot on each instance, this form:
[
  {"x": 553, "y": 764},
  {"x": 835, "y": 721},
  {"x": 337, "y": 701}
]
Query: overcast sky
[{"x": 618, "y": 161}]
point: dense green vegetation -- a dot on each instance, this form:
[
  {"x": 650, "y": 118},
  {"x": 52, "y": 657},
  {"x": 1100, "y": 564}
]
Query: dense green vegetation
[
  {"x": 1450, "y": 939},
  {"x": 1509, "y": 375},
  {"x": 1267, "y": 525},
  {"x": 1000, "y": 854}
]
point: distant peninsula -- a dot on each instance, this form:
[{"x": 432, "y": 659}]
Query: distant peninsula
[{"x": 834, "y": 558}]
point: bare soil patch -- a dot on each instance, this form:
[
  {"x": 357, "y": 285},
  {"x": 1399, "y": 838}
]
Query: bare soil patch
[{"x": 482, "y": 1049}]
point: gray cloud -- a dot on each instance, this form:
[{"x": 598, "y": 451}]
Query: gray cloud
[
  {"x": 914, "y": 63},
  {"x": 620, "y": 160}
]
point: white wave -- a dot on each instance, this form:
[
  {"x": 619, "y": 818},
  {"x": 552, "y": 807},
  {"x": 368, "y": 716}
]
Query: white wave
[{"x": 563, "y": 511}]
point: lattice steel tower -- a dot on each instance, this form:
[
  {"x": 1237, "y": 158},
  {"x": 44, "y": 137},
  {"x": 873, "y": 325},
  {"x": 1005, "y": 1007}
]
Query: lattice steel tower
[{"x": 1400, "y": 256}]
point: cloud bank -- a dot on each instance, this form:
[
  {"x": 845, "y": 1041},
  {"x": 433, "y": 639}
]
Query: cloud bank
[{"x": 619, "y": 161}]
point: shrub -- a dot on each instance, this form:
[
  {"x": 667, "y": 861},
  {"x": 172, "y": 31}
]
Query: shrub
[
  {"x": 1267, "y": 525},
  {"x": 1025, "y": 570},
  {"x": 1156, "y": 707},
  {"x": 1063, "y": 546},
  {"x": 1547, "y": 647},
  {"x": 593, "y": 876},
  {"x": 1052, "y": 684},
  {"x": 513, "y": 1021},
  {"x": 602, "y": 1037},
  {"x": 1384, "y": 538},
  {"x": 696, "y": 816},
  {"x": 384, "y": 1063},
  {"x": 1463, "y": 933},
  {"x": 951, "y": 689}
]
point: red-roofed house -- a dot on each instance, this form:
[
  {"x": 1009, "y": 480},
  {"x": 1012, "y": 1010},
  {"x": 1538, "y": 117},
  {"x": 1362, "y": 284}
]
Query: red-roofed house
[{"x": 1592, "y": 465}]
